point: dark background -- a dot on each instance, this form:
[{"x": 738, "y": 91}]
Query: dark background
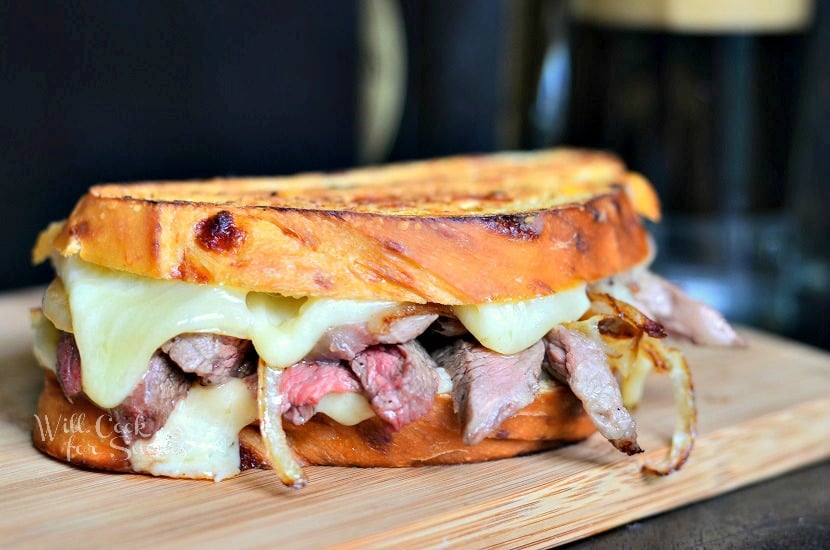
[
  {"x": 116, "y": 91},
  {"x": 124, "y": 91}
]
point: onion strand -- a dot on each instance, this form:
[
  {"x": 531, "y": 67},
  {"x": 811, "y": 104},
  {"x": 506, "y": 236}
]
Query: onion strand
[
  {"x": 270, "y": 404},
  {"x": 685, "y": 427},
  {"x": 632, "y": 343}
]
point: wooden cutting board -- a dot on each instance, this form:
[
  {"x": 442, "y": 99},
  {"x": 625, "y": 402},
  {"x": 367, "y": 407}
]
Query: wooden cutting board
[{"x": 763, "y": 411}]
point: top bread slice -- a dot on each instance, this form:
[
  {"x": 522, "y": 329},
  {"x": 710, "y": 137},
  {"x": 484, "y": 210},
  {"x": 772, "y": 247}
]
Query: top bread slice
[{"x": 459, "y": 230}]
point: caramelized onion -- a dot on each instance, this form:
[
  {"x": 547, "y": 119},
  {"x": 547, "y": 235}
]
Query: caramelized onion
[
  {"x": 686, "y": 424},
  {"x": 631, "y": 341},
  {"x": 269, "y": 402},
  {"x": 605, "y": 304}
]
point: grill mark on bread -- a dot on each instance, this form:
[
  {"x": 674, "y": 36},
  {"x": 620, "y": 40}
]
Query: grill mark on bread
[
  {"x": 498, "y": 195},
  {"x": 523, "y": 227},
  {"x": 188, "y": 271},
  {"x": 219, "y": 233},
  {"x": 157, "y": 237},
  {"x": 582, "y": 244},
  {"x": 248, "y": 459},
  {"x": 598, "y": 215},
  {"x": 303, "y": 238},
  {"x": 375, "y": 435},
  {"x": 389, "y": 274},
  {"x": 394, "y": 246},
  {"x": 445, "y": 230},
  {"x": 80, "y": 229},
  {"x": 323, "y": 281},
  {"x": 542, "y": 287}
]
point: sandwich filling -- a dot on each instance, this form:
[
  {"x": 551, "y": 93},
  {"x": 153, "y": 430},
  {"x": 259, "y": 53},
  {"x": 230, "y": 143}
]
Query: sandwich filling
[{"x": 183, "y": 367}]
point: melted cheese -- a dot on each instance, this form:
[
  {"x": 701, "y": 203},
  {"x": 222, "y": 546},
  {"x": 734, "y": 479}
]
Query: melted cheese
[
  {"x": 445, "y": 382},
  {"x": 284, "y": 330},
  {"x": 511, "y": 327},
  {"x": 120, "y": 319},
  {"x": 56, "y": 306},
  {"x": 201, "y": 437},
  {"x": 353, "y": 408},
  {"x": 345, "y": 408},
  {"x": 46, "y": 341}
]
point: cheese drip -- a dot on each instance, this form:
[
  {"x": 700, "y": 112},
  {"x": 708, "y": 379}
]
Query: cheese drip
[
  {"x": 120, "y": 319},
  {"x": 511, "y": 327},
  {"x": 201, "y": 437}
]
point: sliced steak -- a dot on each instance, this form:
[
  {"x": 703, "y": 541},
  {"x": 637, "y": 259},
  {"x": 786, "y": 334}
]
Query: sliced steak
[
  {"x": 146, "y": 410},
  {"x": 488, "y": 387},
  {"x": 582, "y": 363},
  {"x": 213, "y": 357},
  {"x": 305, "y": 384},
  {"x": 342, "y": 343},
  {"x": 400, "y": 381},
  {"x": 68, "y": 368},
  {"x": 346, "y": 341},
  {"x": 672, "y": 308}
]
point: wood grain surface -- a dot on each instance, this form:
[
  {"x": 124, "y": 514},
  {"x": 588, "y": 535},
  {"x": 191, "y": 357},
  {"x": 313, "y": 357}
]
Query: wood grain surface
[{"x": 763, "y": 411}]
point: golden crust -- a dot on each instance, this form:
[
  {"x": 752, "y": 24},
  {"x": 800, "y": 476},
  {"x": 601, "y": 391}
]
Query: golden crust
[
  {"x": 556, "y": 417},
  {"x": 524, "y": 224}
]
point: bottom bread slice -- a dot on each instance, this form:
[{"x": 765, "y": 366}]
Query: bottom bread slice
[{"x": 85, "y": 435}]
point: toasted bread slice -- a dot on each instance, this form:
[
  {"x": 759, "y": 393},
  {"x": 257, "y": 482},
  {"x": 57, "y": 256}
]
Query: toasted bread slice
[{"x": 461, "y": 230}]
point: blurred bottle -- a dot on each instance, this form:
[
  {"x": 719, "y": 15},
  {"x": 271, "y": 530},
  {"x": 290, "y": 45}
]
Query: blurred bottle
[{"x": 702, "y": 98}]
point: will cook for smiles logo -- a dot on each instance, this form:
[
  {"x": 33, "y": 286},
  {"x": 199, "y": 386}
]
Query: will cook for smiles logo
[{"x": 82, "y": 438}]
